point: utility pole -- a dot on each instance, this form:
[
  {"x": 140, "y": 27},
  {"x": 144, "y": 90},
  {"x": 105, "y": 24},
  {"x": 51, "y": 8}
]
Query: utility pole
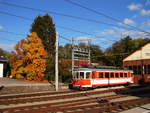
[
  {"x": 72, "y": 56},
  {"x": 56, "y": 63}
]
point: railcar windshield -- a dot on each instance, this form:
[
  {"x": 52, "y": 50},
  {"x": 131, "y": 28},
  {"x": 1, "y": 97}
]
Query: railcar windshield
[
  {"x": 82, "y": 75},
  {"x": 88, "y": 75},
  {"x": 76, "y": 75}
]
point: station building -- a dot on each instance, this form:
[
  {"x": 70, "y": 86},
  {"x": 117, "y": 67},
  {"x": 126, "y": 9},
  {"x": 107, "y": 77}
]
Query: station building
[{"x": 139, "y": 62}]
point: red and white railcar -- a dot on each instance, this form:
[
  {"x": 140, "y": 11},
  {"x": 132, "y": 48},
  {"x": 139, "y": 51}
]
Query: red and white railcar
[{"x": 94, "y": 77}]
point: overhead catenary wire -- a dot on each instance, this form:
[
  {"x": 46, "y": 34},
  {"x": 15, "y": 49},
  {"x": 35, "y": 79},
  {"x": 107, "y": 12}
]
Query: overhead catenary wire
[
  {"x": 10, "y": 32},
  {"x": 105, "y": 15},
  {"x": 82, "y": 32},
  {"x": 13, "y": 33},
  {"x": 63, "y": 37},
  {"x": 80, "y": 18},
  {"x": 59, "y": 26},
  {"x": 61, "y": 14},
  {"x": 8, "y": 39},
  {"x": 41, "y": 10}
]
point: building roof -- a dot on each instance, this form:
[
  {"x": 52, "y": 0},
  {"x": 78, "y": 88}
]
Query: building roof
[
  {"x": 3, "y": 60},
  {"x": 101, "y": 70},
  {"x": 139, "y": 48}
]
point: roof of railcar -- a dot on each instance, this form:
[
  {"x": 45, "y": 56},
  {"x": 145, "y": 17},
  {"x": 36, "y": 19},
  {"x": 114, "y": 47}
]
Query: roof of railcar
[{"x": 102, "y": 70}]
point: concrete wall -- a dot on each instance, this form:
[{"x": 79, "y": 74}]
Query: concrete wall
[{"x": 1, "y": 69}]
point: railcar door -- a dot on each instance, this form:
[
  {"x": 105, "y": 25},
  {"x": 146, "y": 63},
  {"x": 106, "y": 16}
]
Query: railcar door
[{"x": 86, "y": 81}]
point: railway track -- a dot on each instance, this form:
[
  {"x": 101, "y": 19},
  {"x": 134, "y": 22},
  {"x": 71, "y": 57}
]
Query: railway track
[
  {"x": 15, "y": 99},
  {"x": 71, "y": 102}
]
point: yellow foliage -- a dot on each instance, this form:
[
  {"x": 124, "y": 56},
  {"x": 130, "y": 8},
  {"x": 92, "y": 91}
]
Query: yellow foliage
[{"x": 29, "y": 58}]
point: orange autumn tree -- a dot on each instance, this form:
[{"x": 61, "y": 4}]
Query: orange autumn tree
[{"x": 28, "y": 60}]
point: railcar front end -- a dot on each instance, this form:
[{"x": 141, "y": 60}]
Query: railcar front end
[{"x": 81, "y": 80}]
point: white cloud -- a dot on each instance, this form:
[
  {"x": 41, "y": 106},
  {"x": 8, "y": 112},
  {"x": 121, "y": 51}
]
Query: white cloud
[
  {"x": 1, "y": 27},
  {"x": 134, "y": 16},
  {"x": 82, "y": 38},
  {"x": 108, "y": 32},
  {"x": 85, "y": 38},
  {"x": 134, "y": 6},
  {"x": 146, "y": 23},
  {"x": 117, "y": 33},
  {"x": 128, "y": 21},
  {"x": 7, "y": 47},
  {"x": 145, "y": 12},
  {"x": 147, "y": 2}
]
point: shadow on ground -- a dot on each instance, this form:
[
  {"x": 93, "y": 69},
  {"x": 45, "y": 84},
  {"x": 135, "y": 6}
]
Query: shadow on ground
[{"x": 139, "y": 91}]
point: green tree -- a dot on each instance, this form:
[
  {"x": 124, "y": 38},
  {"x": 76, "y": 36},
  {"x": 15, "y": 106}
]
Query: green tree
[
  {"x": 68, "y": 51},
  {"x": 136, "y": 43},
  {"x": 4, "y": 54},
  {"x": 65, "y": 70},
  {"x": 118, "y": 51},
  {"x": 122, "y": 48},
  {"x": 45, "y": 29},
  {"x": 96, "y": 54},
  {"x": 65, "y": 63}
]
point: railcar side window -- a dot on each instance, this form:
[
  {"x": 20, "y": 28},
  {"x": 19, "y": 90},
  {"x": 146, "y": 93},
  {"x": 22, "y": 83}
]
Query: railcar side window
[
  {"x": 125, "y": 74},
  {"x": 111, "y": 75},
  {"x": 117, "y": 75},
  {"x": 100, "y": 75},
  {"x": 87, "y": 75},
  {"x": 81, "y": 74},
  {"x": 93, "y": 75},
  {"x": 106, "y": 75},
  {"x": 121, "y": 75}
]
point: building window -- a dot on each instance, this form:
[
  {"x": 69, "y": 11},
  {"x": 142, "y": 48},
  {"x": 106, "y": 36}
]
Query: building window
[
  {"x": 139, "y": 70},
  {"x": 135, "y": 69},
  {"x": 145, "y": 69},
  {"x": 148, "y": 69},
  {"x": 130, "y": 67}
]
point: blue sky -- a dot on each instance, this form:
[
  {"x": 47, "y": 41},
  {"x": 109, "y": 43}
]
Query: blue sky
[{"x": 132, "y": 12}]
